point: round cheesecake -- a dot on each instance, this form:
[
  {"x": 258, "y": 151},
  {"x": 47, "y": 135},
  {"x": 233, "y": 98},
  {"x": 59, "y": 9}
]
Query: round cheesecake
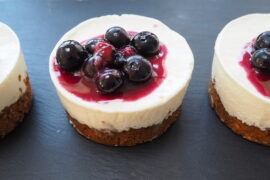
[
  {"x": 15, "y": 88},
  {"x": 126, "y": 123},
  {"x": 235, "y": 98}
]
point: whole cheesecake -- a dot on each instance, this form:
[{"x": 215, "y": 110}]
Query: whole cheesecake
[
  {"x": 15, "y": 88},
  {"x": 240, "y": 84},
  {"x": 139, "y": 111}
]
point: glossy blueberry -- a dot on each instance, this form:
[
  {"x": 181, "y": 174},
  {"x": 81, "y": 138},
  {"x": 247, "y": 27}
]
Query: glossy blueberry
[
  {"x": 138, "y": 69},
  {"x": 92, "y": 65},
  {"x": 260, "y": 60},
  {"x": 117, "y": 36},
  {"x": 109, "y": 81},
  {"x": 119, "y": 60},
  {"x": 263, "y": 40},
  {"x": 71, "y": 55},
  {"x": 146, "y": 43},
  {"x": 91, "y": 44}
]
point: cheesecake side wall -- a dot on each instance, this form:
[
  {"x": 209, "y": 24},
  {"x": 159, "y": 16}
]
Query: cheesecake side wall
[
  {"x": 13, "y": 87},
  {"x": 237, "y": 101},
  {"x": 123, "y": 121}
]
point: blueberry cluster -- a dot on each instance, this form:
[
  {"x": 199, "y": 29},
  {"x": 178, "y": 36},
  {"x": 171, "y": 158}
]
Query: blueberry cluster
[
  {"x": 260, "y": 59},
  {"x": 112, "y": 60}
]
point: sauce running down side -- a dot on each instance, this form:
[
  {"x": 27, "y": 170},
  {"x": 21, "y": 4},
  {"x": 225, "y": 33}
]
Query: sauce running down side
[{"x": 260, "y": 81}]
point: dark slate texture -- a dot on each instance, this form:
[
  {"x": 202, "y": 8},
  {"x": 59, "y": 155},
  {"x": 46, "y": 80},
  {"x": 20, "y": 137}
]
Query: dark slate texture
[{"x": 197, "y": 147}]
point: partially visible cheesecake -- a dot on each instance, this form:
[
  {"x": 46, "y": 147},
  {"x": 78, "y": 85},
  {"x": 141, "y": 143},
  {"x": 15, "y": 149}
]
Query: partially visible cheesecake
[
  {"x": 239, "y": 94},
  {"x": 15, "y": 88},
  {"x": 127, "y": 121}
]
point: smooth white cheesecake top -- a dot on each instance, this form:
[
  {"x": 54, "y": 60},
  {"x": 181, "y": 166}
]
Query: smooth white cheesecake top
[
  {"x": 179, "y": 61},
  {"x": 238, "y": 95},
  {"x": 11, "y": 67},
  {"x": 230, "y": 45}
]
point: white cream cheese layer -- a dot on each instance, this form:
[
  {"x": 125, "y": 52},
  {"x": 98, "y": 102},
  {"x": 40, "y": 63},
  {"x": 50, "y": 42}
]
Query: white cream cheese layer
[
  {"x": 239, "y": 97},
  {"x": 147, "y": 111},
  {"x": 11, "y": 67}
]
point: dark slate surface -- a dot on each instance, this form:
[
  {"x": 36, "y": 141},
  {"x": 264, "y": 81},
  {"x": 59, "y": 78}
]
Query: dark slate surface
[{"x": 197, "y": 147}]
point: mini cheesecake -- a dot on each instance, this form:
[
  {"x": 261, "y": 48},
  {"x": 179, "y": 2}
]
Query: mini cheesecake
[
  {"x": 15, "y": 88},
  {"x": 143, "y": 106},
  {"x": 240, "y": 85}
]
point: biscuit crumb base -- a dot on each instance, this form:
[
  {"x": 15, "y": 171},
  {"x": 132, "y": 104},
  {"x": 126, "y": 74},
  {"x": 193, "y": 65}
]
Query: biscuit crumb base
[
  {"x": 12, "y": 115},
  {"x": 125, "y": 138},
  {"x": 250, "y": 133}
]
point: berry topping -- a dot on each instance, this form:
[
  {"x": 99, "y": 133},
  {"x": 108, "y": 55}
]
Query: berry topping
[
  {"x": 108, "y": 62},
  {"x": 138, "y": 69},
  {"x": 92, "y": 66},
  {"x": 117, "y": 36},
  {"x": 146, "y": 43},
  {"x": 91, "y": 45},
  {"x": 105, "y": 51},
  {"x": 70, "y": 56},
  {"x": 101, "y": 44},
  {"x": 109, "y": 81},
  {"x": 262, "y": 41},
  {"x": 119, "y": 59},
  {"x": 260, "y": 60},
  {"x": 128, "y": 51}
]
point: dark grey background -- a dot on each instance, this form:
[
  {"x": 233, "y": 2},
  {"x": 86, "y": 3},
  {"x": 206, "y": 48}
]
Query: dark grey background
[{"x": 197, "y": 147}]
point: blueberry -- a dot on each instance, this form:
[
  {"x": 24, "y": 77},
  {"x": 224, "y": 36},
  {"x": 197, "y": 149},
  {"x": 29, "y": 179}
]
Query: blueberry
[
  {"x": 260, "y": 60},
  {"x": 119, "y": 60},
  {"x": 146, "y": 43},
  {"x": 92, "y": 65},
  {"x": 117, "y": 36},
  {"x": 109, "y": 81},
  {"x": 91, "y": 44},
  {"x": 263, "y": 40},
  {"x": 138, "y": 69},
  {"x": 70, "y": 56}
]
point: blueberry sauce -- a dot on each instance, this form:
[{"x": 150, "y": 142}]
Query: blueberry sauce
[
  {"x": 260, "y": 81},
  {"x": 86, "y": 89}
]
